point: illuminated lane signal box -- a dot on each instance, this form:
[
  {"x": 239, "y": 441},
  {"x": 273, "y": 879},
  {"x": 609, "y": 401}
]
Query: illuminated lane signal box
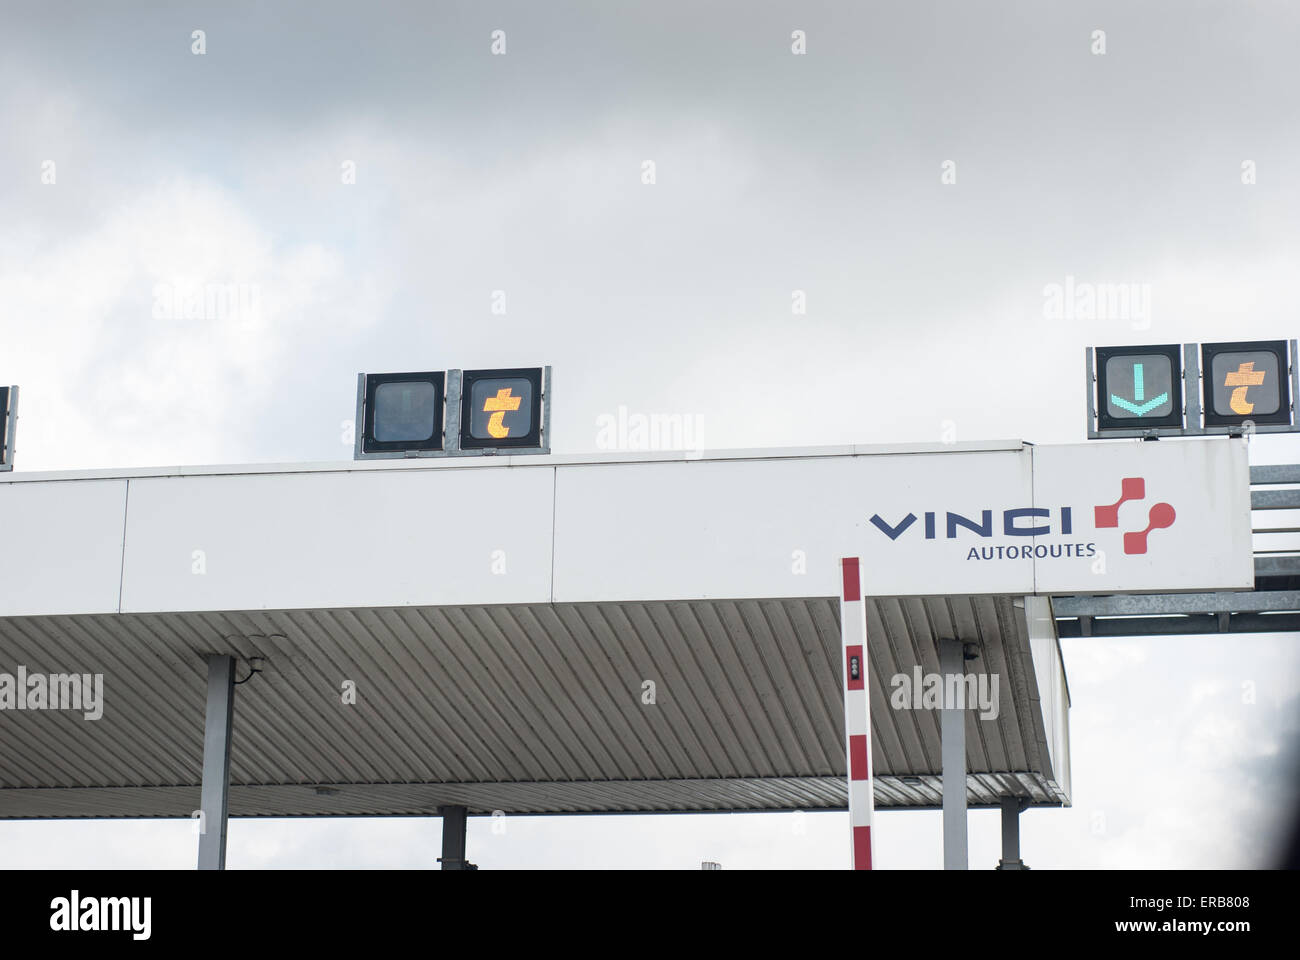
[
  {"x": 501, "y": 409},
  {"x": 1246, "y": 381},
  {"x": 8, "y": 425},
  {"x": 453, "y": 413},
  {"x": 1139, "y": 389}
]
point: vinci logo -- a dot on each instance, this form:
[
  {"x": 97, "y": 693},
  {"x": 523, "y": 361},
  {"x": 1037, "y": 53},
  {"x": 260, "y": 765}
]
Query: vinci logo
[
  {"x": 1160, "y": 515},
  {"x": 1042, "y": 525}
]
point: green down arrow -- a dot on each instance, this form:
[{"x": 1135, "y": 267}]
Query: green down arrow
[{"x": 1139, "y": 391}]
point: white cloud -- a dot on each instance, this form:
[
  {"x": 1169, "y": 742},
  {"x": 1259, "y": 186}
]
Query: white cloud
[{"x": 154, "y": 337}]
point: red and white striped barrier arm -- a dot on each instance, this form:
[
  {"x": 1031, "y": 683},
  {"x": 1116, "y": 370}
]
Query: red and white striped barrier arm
[{"x": 857, "y": 712}]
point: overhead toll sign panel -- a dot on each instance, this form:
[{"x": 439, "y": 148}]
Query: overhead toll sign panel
[
  {"x": 1131, "y": 517},
  {"x": 74, "y": 528},
  {"x": 1152, "y": 517},
  {"x": 1246, "y": 381},
  {"x": 401, "y": 555},
  {"x": 708, "y": 528},
  {"x": 1139, "y": 387},
  {"x": 1093, "y": 518}
]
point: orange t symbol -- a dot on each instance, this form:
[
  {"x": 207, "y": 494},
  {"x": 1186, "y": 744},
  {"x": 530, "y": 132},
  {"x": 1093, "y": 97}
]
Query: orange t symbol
[
  {"x": 1243, "y": 379},
  {"x": 498, "y": 405}
]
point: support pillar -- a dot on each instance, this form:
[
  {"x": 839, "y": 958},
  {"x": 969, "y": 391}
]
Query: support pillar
[
  {"x": 215, "y": 795},
  {"x": 1011, "y": 807},
  {"x": 453, "y": 839},
  {"x": 952, "y": 730}
]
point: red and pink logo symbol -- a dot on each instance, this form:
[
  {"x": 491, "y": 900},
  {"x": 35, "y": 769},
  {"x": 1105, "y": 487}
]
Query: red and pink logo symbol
[{"x": 1160, "y": 515}]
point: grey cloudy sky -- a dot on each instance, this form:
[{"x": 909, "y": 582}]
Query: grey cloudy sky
[{"x": 926, "y": 312}]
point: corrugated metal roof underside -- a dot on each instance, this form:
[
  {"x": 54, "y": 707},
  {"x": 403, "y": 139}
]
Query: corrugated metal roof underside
[{"x": 526, "y": 709}]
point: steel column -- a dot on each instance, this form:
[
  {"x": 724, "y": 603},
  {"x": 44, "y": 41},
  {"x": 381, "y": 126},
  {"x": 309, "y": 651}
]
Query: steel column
[
  {"x": 1192, "y": 389},
  {"x": 952, "y": 730},
  {"x": 1092, "y": 392},
  {"x": 1011, "y": 807},
  {"x": 8, "y": 426},
  {"x": 453, "y": 839},
  {"x": 215, "y": 795}
]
